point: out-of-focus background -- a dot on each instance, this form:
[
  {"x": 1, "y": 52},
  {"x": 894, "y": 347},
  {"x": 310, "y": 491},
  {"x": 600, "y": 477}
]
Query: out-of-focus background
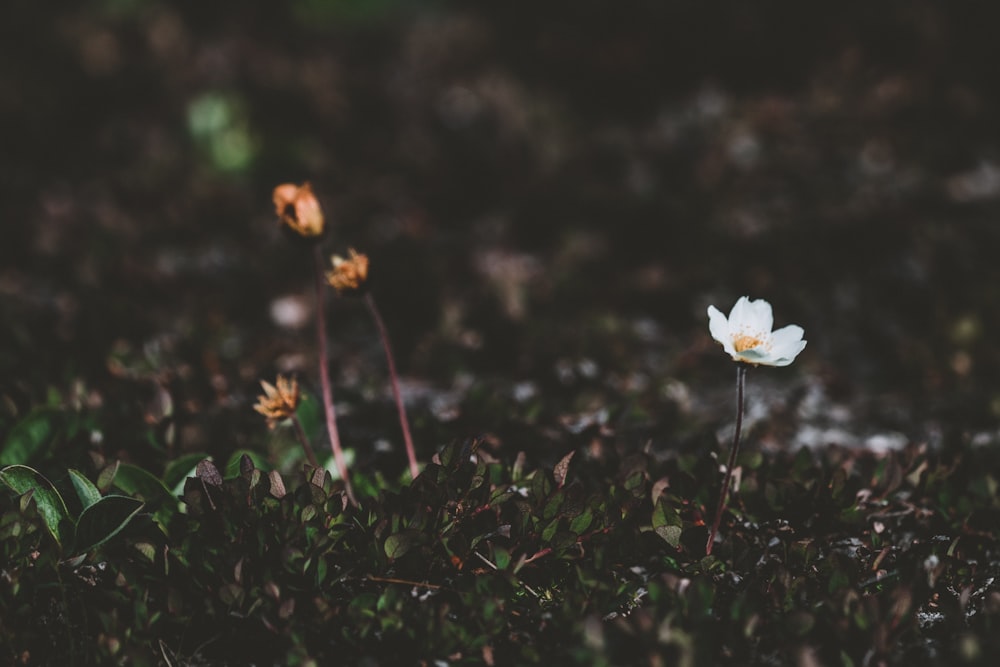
[{"x": 551, "y": 195}]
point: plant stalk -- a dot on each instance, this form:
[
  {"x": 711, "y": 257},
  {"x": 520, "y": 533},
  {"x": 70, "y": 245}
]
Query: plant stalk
[
  {"x": 403, "y": 422},
  {"x": 324, "y": 376},
  {"x": 741, "y": 374},
  {"x": 301, "y": 435}
]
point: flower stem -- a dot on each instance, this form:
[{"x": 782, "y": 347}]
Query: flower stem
[
  {"x": 301, "y": 435},
  {"x": 403, "y": 422},
  {"x": 324, "y": 376},
  {"x": 741, "y": 374}
]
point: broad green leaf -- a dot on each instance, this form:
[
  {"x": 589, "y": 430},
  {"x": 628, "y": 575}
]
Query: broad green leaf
[
  {"x": 85, "y": 489},
  {"x": 399, "y": 543},
  {"x": 136, "y": 481},
  {"x": 22, "y": 479},
  {"x": 107, "y": 476},
  {"x": 103, "y": 520},
  {"x": 30, "y": 437}
]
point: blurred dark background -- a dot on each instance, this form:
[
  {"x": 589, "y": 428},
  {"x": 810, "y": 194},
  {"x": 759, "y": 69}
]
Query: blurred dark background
[{"x": 551, "y": 194}]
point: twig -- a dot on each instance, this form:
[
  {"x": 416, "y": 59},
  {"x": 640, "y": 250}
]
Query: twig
[{"x": 406, "y": 582}]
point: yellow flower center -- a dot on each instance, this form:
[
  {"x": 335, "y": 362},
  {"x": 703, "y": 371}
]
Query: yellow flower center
[{"x": 746, "y": 341}]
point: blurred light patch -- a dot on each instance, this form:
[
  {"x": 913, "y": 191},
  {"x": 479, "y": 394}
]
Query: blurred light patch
[
  {"x": 219, "y": 125},
  {"x": 979, "y": 184},
  {"x": 290, "y": 311}
]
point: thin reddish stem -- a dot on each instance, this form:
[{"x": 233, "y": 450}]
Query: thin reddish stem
[
  {"x": 324, "y": 376},
  {"x": 741, "y": 374},
  {"x": 403, "y": 422}
]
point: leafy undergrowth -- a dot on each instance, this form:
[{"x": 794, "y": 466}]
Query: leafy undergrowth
[{"x": 834, "y": 557}]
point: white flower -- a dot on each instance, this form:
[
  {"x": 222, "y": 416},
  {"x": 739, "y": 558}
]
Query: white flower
[{"x": 746, "y": 336}]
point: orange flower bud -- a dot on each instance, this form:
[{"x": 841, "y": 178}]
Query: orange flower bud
[{"x": 297, "y": 207}]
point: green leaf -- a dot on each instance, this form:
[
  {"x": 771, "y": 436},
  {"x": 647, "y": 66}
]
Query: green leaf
[
  {"x": 139, "y": 482},
  {"x": 136, "y": 481},
  {"x": 107, "y": 476},
  {"x": 550, "y": 530},
  {"x": 311, "y": 416},
  {"x": 670, "y": 534},
  {"x": 667, "y": 523},
  {"x": 22, "y": 479},
  {"x": 581, "y": 522},
  {"x": 103, "y": 520},
  {"x": 553, "y": 504},
  {"x": 501, "y": 557},
  {"x": 541, "y": 484},
  {"x": 635, "y": 482},
  {"x": 30, "y": 437},
  {"x": 85, "y": 489},
  {"x": 399, "y": 543},
  {"x": 450, "y": 454}
]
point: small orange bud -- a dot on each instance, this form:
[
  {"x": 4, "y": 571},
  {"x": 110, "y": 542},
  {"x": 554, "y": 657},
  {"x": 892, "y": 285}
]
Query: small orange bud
[
  {"x": 348, "y": 275},
  {"x": 297, "y": 207}
]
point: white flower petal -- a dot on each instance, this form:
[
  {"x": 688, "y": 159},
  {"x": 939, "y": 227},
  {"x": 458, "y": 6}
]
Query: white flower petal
[
  {"x": 754, "y": 355},
  {"x": 718, "y": 325},
  {"x": 793, "y": 352},
  {"x": 787, "y": 341},
  {"x": 739, "y": 316},
  {"x": 761, "y": 319}
]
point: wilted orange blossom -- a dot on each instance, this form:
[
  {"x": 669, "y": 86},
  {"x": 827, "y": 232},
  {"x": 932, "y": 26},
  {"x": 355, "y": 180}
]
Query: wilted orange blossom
[
  {"x": 279, "y": 401},
  {"x": 349, "y": 274},
  {"x": 297, "y": 207}
]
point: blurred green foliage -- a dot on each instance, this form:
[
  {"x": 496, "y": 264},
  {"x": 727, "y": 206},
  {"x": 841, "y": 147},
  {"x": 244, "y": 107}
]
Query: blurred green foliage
[{"x": 219, "y": 125}]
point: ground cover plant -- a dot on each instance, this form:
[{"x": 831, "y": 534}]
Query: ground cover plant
[
  {"x": 215, "y": 449},
  {"x": 833, "y": 558}
]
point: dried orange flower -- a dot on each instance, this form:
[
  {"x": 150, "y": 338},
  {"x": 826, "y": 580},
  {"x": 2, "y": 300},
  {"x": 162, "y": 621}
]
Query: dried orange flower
[
  {"x": 278, "y": 402},
  {"x": 298, "y": 208},
  {"x": 348, "y": 275}
]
